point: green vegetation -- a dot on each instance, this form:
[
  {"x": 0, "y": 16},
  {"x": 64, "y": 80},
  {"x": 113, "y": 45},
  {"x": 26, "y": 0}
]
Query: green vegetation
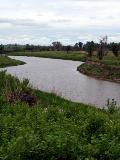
[
  {"x": 53, "y": 128},
  {"x": 106, "y": 69},
  {"x": 100, "y": 71},
  {"x": 6, "y": 61},
  {"x": 109, "y": 59},
  {"x": 75, "y": 56}
]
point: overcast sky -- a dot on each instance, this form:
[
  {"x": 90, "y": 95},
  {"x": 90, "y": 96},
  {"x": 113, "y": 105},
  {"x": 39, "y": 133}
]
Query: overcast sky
[{"x": 67, "y": 21}]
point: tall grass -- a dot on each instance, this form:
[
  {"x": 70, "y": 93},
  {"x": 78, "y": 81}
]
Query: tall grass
[
  {"x": 109, "y": 59},
  {"x": 54, "y": 128},
  {"x": 75, "y": 56}
]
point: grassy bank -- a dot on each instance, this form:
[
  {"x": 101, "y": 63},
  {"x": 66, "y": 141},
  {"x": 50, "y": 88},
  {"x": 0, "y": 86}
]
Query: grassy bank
[
  {"x": 36, "y": 125},
  {"x": 6, "y": 61},
  {"x": 101, "y": 71},
  {"x": 106, "y": 69},
  {"x": 75, "y": 56}
]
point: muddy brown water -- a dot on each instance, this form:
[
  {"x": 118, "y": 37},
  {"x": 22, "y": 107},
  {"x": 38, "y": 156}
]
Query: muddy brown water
[{"x": 62, "y": 78}]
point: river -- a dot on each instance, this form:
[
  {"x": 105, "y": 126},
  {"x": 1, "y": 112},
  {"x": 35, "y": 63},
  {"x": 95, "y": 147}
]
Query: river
[{"x": 62, "y": 78}]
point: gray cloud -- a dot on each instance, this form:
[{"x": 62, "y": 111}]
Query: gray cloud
[
  {"x": 22, "y": 22},
  {"x": 37, "y": 21}
]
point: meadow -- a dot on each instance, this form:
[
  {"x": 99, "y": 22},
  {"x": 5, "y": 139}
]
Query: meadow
[
  {"x": 108, "y": 59},
  {"x": 73, "y": 55},
  {"x": 37, "y": 125}
]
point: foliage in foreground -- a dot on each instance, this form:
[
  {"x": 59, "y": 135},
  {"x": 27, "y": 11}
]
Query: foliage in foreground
[{"x": 54, "y": 128}]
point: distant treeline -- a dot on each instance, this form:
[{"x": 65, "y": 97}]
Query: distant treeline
[{"x": 89, "y": 47}]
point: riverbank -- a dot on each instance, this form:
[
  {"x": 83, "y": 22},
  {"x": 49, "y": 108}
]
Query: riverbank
[
  {"x": 75, "y": 56},
  {"x": 101, "y": 71},
  {"x": 37, "y": 125},
  {"x": 6, "y": 62}
]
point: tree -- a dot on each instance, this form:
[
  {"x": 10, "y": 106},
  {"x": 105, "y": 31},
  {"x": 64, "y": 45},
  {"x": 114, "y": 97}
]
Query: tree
[
  {"x": 76, "y": 46},
  {"x": 80, "y": 44},
  {"x": 27, "y": 47},
  {"x": 115, "y": 48},
  {"x": 100, "y": 51},
  {"x": 102, "y": 47},
  {"x": 57, "y": 46},
  {"x": 1, "y": 49},
  {"x": 90, "y": 47},
  {"x": 68, "y": 48}
]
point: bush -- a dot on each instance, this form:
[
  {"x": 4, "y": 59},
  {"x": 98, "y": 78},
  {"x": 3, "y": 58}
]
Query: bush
[{"x": 54, "y": 128}]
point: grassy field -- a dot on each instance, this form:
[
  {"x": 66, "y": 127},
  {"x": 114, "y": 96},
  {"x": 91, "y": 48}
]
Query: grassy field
[
  {"x": 36, "y": 125},
  {"x": 75, "y": 56},
  {"x": 6, "y": 61},
  {"x": 109, "y": 59}
]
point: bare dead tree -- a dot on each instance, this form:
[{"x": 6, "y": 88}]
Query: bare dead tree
[{"x": 102, "y": 47}]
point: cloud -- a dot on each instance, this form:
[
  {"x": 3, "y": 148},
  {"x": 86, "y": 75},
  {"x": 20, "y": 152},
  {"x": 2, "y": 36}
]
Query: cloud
[
  {"x": 22, "y": 22},
  {"x": 61, "y": 21},
  {"x": 65, "y": 20}
]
